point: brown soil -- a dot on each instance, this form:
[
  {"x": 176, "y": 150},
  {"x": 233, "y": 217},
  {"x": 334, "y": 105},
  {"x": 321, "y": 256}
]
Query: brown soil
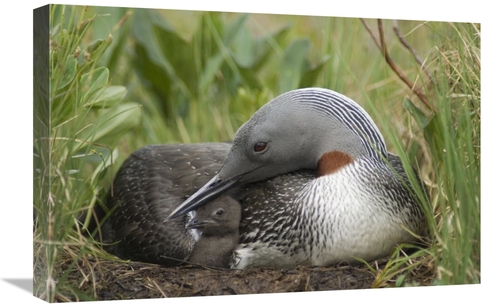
[{"x": 112, "y": 280}]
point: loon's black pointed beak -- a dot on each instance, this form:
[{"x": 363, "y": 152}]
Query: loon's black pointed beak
[{"x": 208, "y": 192}]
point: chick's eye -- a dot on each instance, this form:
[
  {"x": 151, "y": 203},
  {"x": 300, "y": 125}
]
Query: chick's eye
[
  {"x": 259, "y": 146},
  {"x": 219, "y": 212}
]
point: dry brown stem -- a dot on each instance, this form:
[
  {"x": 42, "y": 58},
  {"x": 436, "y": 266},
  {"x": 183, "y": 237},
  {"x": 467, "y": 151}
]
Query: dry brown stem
[{"x": 383, "y": 48}]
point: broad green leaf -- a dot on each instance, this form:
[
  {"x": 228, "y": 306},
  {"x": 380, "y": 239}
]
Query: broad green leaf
[
  {"x": 111, "y": 124},
  {"x": 234, "y": 29},
  {"x": 156, "y": 55},
  {"x": 68, "y": 72},
  {"x": 209, "y": 72},
  {"x": 177, "y": 60},
  {"x": 250, "y": 77},
  {"x": 93, "y": 81},
  {"x": 270, "y": 44},
  {"x": 252, "y": 53},
  {"x": 106, "y": 97},
  {"x": 310, "y": 76},
  {"x": 244, "y": 52},
  {"x": 224, "y": 54},
  {"x": 292, "y": 65}
]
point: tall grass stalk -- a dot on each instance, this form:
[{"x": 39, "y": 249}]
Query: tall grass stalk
[
  {"x": 82, "y": 125},
  {"x": 456, "y": 158},
  {"x": 449, "y": 140}
]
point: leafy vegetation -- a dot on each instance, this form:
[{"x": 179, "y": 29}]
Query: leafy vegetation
[{"x": 123, "y": 78}]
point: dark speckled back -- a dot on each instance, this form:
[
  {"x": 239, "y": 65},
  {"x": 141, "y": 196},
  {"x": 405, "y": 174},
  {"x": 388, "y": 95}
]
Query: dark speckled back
[{"x": 152, "y": 182}]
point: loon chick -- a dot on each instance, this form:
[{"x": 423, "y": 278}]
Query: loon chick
[
  {"x": 355, "y": 203},
  {"x": 218, "y": 221}
]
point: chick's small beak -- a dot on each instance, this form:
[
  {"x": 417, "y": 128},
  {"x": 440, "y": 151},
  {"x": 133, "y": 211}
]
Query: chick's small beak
[{"x": 215, "y": 187}]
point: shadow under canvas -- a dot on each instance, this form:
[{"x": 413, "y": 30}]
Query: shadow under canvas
[{"x": 23, "y": 283}]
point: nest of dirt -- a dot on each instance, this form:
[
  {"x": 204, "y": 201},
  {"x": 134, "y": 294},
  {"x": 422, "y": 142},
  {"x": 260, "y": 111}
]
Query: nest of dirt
[{"x": 116, "y": 280}]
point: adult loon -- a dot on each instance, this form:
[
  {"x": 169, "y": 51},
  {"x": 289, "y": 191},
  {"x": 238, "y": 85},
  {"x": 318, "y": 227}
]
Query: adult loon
[
  {"x": 311, "y": 172},
  {"x": 358, "y": 204}
]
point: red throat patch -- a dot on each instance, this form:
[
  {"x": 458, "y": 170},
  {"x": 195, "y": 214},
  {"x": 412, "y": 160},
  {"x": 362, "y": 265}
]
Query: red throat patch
[{"x": 331, "y": 162}]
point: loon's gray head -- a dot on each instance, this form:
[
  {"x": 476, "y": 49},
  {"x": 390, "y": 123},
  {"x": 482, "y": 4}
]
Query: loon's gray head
[{"x": 310, "y": 128}]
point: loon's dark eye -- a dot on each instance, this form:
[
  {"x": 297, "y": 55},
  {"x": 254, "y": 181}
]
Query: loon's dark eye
[
  {"x": 219, "y": 212},
  {"x": 259, "y": 146}
]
